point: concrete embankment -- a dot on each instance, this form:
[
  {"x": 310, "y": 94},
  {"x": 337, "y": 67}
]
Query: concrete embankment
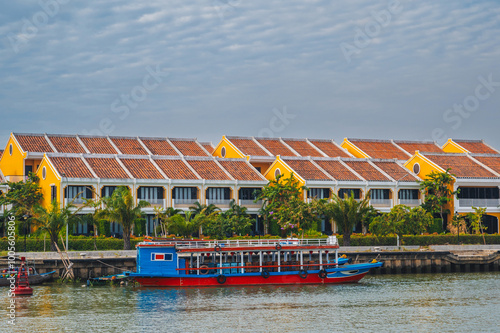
[{"x": 403, "y": 260}]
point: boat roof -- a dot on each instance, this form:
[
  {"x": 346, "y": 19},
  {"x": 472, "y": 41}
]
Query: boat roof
[{"x": 288, "y": 244}]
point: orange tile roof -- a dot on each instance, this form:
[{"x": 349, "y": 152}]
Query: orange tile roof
[
  {"x": 461, "y": 166},
  {"x": 337, "y": 170},
  {"x": 275, "y": 147},
  {"x": 247, "y": 146},
  {"x": 367, "y": 171},
  {"x": 208, "y": 169},
  {"x": 71, "y": 167},
  {"x": 175, "y": 169},
  {"x": 159, "y": 147},
  {"x": 396, "y": 171},
  {"x": 306, "y": 169},
  {"x": 66, "y": 144},
  {"x": 412, "y": 147},
  {"x": 476, "y": 147},
  {"x": 106, "y": 168},
  {"x": 188, "y": 147},
  {"x": 329, "y": 148},
  {"x": 208, "y": 147},
  {"x": 380, "y": 149},
  {"x": 34, "y": 143},
  {"x": 141, "y": 168},
  {"x": 98, "y": 145},
  {"x": 492, "y": 162},
  {"x": 129, "y": 146},
  {"x": 240, "y": 170},
  {"x": 303, "y": 148}
]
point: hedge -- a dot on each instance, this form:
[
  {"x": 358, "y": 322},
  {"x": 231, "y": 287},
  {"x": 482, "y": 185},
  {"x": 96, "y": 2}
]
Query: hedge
[{"x": 87, "y": 244}]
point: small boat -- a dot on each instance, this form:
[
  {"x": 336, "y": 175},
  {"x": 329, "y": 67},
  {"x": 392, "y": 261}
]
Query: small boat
[
  {"x": 245, "y": 262},
  {"x": 22, "y": 286},
  {"x": 34, "y": 277}
]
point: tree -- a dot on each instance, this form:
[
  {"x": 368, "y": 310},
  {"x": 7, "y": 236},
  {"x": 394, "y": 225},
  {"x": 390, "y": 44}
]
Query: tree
[
  {"x": 120, "y": 208},
  {"x": 402, "y": 220},
  {"x": 437, "y": 190},
  {"x": 347, "y": 213},
  {"x": 53, "y": 220},
  {"x": 283, "y": 204},
  {"x": 24, "y": 196},
  {"x": 476, "y": 221},
  {"x": 198, "y": 208},
  {"x": 185, "y": 225}
]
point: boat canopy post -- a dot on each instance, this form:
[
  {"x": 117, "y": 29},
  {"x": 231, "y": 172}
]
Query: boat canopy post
[
  {"x": 220, "y": 255},
  {"x": 320, "y": 259},
  {"x": 337, "y": 256},
  {"x": 197, "y": 264},
  {"x": 301, "y": 259},
  {"x": 327, "y": 258},
  {"x": 260, "y": 261},
  {"x": 242, "y": 262},
  {"x": 279, "y": 260}
]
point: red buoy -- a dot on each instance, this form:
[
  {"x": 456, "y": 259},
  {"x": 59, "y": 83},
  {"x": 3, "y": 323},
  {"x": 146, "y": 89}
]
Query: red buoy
[{"x": 22, "y": 283}]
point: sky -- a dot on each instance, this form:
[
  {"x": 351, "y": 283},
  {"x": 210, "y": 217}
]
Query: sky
[{"x": 406, "y": 70}]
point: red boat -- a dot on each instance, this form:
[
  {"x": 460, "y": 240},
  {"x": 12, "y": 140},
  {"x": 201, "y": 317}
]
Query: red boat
[{"x": 244, "y": 262}]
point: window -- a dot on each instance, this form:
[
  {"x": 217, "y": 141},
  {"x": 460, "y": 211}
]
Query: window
[
  {"x": 44, "y": 173},
  {"x": 147, "y": 193},
  {"x": 408, "y": 194},
  {"x": 349, "y": 191},
  {"x": 218, "y": 193},
  {"x": 478, "y": 193},
  {"x": 185, "y": 193},
  {"x": 53, "y": 192},
  {"x": 107, "y": 191},
  {"x": 277, "y": 173},
  {"x": 161, "y": 256},
  {"x": 248, "y": 193},
  {"x": 223, "y": 152},
  {"x": 10, "y": 149},
  {"x": 416, "y": 168},
  {"x": 79, "y": 192},
  {"x": 378, "y": 194},
  {"x": 319, "y": 193}
]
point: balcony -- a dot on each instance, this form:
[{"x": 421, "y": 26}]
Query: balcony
[
  {"x": 183, "y": 203},
  {"x": 155, "y": 202},
  {"x": 410, "y": 202},
  {"x": 250, "y": 203},
  {"x": 381, "y": 202},
  {"x": 221, "y": 203},
  {"x": 479, "y": 202}
]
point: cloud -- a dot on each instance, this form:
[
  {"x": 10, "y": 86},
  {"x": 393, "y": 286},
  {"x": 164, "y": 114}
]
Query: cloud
[{"x": 231, "y": 62}]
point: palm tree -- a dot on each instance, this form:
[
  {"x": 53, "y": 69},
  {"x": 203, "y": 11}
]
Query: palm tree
[
  {"x": 347, "y": 213},
  {"x": 53, "y": 220},
  {"x": 120, "y": 208},
  {"x": 185, "y": 225},
  {"x": 198, "y": 208},
  {"x": 165, "y": 217}
]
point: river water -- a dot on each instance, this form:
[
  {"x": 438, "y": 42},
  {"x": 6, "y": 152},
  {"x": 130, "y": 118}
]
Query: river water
[{"x": 468, "y": 302}]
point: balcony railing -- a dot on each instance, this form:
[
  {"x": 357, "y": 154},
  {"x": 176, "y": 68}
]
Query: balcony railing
[
  {"x": 410, "y": 202},
  {"x": 250, "y": 203},
  {"x": 155, "y": 202},
  {"x": 381, "y": 202},
  {"x": 478, "y": 202},
  {"x": 78, "y": 202},
  {"x": 183, "y": 203},
  {"x": 221, "y": 203}
]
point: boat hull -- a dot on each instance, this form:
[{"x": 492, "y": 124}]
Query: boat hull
[
  {"x": 247, "y": 280},
  {"x": 32, "y": 279}
]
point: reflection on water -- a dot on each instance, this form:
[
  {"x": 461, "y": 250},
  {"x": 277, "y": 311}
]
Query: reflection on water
[{"x": 416, "y": 303}]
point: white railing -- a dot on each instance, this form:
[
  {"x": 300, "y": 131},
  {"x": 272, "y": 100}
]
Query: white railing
[
  {"x": 183, "y": 202},
  {"x": 277, "y": 243},
  {"x": 381, "y": 202},
  {"x": 219, "y": 202},
  {"x": 250, "y": 203},
  {"x": 478, "y": 202},
  {"x": 76, "y": 201},
  {"x": 409, "y": 202},
  {"x": 155, "y": 202}
]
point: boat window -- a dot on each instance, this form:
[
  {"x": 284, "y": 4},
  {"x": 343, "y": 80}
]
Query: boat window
[{"x": 161, "y": 256}]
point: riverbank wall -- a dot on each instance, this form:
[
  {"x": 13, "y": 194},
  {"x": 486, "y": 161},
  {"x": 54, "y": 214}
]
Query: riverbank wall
[{"x": 436, "y": 259}]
